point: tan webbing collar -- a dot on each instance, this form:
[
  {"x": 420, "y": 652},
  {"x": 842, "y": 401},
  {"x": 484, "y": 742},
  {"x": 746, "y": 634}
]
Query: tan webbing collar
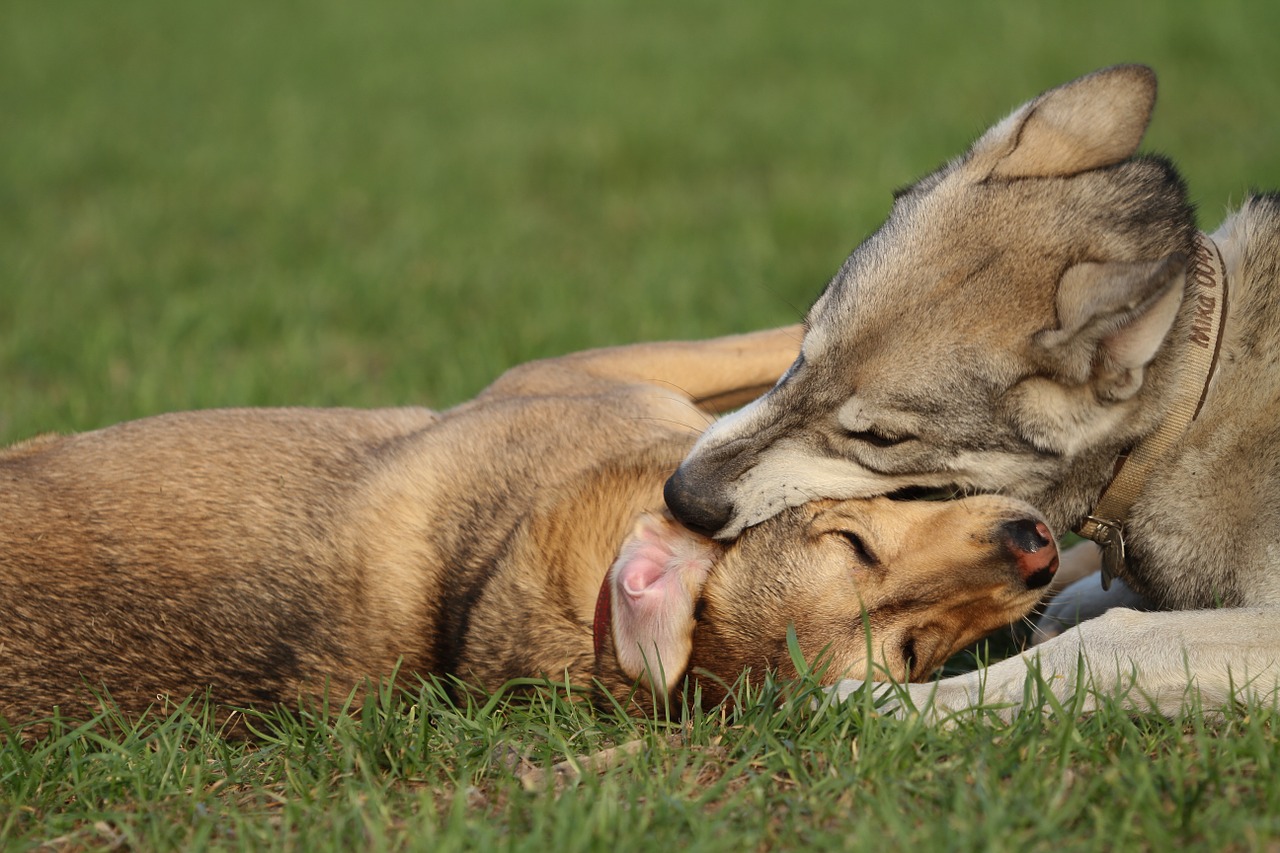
[{"x": 1206, "y": 288}]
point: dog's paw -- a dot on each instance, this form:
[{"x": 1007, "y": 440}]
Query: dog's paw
[
  {"x": 901, "y": 701},
  {"x": 938, "y": 703}
]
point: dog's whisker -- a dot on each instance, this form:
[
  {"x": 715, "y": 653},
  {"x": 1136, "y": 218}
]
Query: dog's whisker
[
  {"x": 690, "y": 428},
  {"x": 686, "y": 401},
  {"x": 689, "y": 397}
]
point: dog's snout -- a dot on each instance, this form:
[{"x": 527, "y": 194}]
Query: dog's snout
[
  {"x": 1033, "y": 550},
  {"x": 695, "y": 508}
]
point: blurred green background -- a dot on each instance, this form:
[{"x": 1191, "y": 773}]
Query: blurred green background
[{"x": 247, "y": 203}]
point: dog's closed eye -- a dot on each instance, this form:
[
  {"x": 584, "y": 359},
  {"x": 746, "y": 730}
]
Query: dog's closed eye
[
  {"x": 859, "y": 547},
  {"x": 879, "y": 439}
]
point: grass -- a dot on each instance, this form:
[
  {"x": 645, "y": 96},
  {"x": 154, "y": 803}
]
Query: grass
[
  {"x": 368, "y": 204},
  {"x": 782, "y": 771}
]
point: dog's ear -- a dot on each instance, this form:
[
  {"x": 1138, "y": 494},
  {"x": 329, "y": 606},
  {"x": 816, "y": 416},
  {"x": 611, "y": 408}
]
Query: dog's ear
[
  {"x": 1112, "y": 319},
  {"x": 1095, "y": 121},
  {"x": 656, "y": 582}
]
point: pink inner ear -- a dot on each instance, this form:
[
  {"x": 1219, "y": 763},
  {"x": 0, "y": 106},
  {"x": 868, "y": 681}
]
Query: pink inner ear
[{"x": 645, "y": 569}]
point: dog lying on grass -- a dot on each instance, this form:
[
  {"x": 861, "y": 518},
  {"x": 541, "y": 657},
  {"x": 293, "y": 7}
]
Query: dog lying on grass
[{"x": 270, "y": 556}]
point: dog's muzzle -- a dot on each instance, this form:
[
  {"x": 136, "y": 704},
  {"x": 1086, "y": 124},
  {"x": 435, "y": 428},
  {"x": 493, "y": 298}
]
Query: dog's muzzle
[{"x": 698, "y": 509}]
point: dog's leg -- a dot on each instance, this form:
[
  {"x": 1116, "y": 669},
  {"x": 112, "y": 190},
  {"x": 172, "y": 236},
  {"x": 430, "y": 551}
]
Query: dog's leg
[
  {"x": 1148, "y": 661},
  {"x": 716, "y": 374}
]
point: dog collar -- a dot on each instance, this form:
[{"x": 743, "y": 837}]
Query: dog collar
[
  {"x": 1207, "y": 290},
  {"x": 602, "y": 624}
]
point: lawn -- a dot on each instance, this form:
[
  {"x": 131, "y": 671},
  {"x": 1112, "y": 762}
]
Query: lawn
[{"x": 333, "y": 203}]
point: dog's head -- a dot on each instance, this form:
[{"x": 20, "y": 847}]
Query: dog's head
[
  {"x": 1001, "y": 332},
  {"x": 873, "y": 587}
]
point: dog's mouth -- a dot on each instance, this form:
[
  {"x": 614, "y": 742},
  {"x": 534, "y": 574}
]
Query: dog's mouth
[{"x": 950, "y": 492}]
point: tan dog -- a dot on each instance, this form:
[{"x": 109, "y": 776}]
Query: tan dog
[
  {"x": 270, "y": 555},
  {"x": 1032, "y": 317}
]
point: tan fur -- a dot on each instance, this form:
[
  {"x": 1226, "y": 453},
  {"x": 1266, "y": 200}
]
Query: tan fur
[{"x": 271, "y": 555}]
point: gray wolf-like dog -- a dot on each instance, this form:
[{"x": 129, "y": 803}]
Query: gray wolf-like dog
[
  {"x": 1041, "y": 318},
  {"x": 269, "y": 556}
]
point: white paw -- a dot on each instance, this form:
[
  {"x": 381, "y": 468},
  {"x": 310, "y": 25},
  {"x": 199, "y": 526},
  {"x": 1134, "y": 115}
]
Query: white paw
[{"x": 902, "y": 701}]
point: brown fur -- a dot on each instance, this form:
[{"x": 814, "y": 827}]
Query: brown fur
[{"x": 271, "y": 555}]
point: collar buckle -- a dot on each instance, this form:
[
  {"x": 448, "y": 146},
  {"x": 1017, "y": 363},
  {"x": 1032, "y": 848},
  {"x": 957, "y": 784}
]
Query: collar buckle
[{"x": 1109, "y": 534}]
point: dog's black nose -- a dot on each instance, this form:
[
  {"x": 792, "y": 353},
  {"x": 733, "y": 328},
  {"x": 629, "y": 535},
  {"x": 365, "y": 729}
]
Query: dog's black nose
[
  {"x": 1033, "y": 550},
  {"x": 695, "y": 508}
]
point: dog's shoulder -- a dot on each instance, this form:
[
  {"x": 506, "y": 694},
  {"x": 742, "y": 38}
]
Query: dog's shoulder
[
  {"x": 1252, "y": 230},
  {"x": 1249, "y": 241}
]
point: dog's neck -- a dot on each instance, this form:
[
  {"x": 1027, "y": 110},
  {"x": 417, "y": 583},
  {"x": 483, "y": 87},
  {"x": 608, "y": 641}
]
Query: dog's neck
[{"x": 1206, "y": 291}]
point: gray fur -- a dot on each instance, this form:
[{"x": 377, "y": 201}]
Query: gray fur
[{"x": 1015, "y": 325}]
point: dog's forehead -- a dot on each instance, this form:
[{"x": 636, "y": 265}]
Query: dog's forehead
[
  {"x": 767, "y": 558},
  {"x": 937, "y": 264},
  {"x": 945, "y": 269},
  {"x": 924, "y": 341},
  {"x": 915, "y": 384},
  {"x": 934, "y": 358}
]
